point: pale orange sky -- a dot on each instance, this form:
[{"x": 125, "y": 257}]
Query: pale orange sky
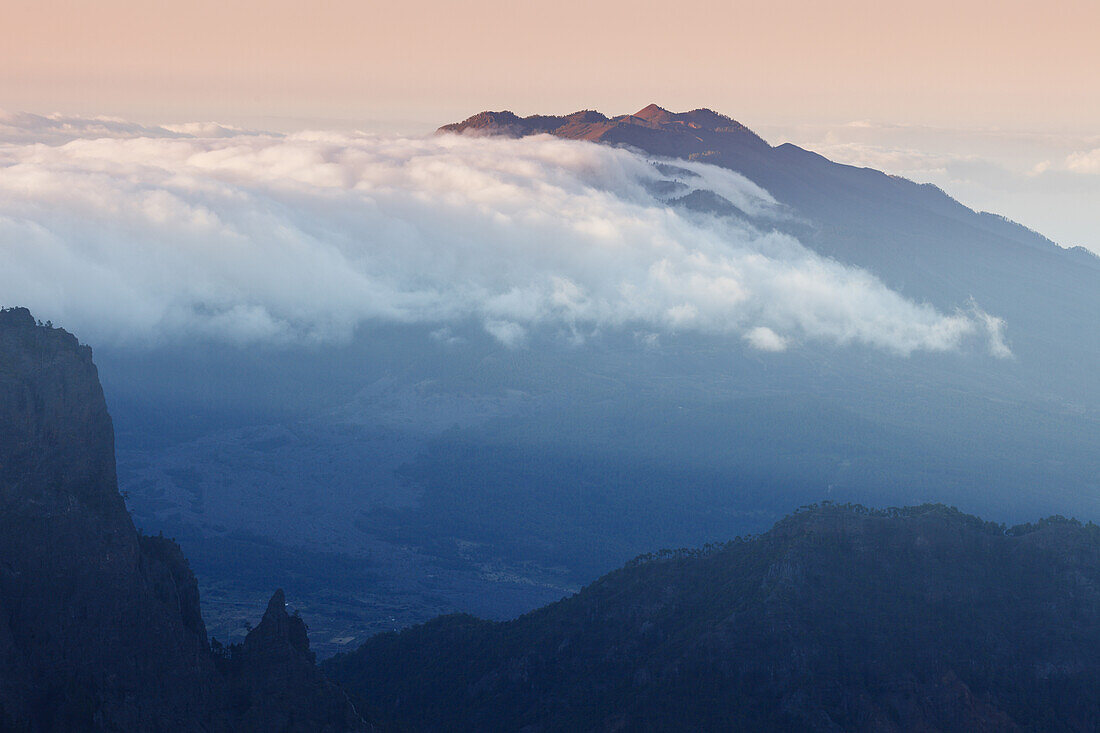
[{"x": 416, "y": 64}]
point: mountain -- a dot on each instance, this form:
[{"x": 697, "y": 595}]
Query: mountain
[
  {"x": 428, "y": 470},
  {"x": 653, "y": 129},
  {"x": 100, "y": 626},
  {"x": 838, "y": 618},
  {"x": 914, "y": 236}
]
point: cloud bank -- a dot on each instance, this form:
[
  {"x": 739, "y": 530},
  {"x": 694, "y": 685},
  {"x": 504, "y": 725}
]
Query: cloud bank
[{"x": 132, "y": 234}]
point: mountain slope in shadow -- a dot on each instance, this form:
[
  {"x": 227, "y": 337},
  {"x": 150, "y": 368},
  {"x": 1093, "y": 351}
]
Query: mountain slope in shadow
[
  {"x": 838, "y": 618},
  {"x": 100, "y": 627}
]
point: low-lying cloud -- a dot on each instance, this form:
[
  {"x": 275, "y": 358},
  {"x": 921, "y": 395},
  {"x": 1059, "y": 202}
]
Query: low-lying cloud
[
  {"x": 1086, "y": 162},
  {"x": 134, "y": 234}
]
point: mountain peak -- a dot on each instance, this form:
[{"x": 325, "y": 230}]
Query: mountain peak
[
  {"x": 16, "y": 318},
  {"x": 279, "y": 634},
  {"x": 652, "y": 128},
  {"x": 277, "y": 604},
  {"x": 654, "y": 113}
]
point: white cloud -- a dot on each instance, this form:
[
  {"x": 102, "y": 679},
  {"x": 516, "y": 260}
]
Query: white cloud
[
  {"x": 1087, "y": 162},
  {"x": 994, "y": 327},
  {"x": 903, "y": 161},
  {"x": 446, "y": 336},
  {"x": 131, "y": 234},
  {"x": 765, "y": 339},
  {"x": 506, "y": 332},
  {"x": 56, "y": 129}
]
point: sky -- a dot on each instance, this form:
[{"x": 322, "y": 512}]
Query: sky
[
  {"x": 959, "y": 62},
  {"x": 1001, "y": 98}
]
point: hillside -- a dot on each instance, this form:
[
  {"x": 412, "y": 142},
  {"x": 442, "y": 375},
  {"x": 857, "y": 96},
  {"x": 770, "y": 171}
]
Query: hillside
[{"x": 838, "y": 618}]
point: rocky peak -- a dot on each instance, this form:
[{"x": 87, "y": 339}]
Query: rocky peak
[
  {"x": 654, "y": 113},
  {"x": 285, "y": 688},
  {"x": 279, "y": 634}
]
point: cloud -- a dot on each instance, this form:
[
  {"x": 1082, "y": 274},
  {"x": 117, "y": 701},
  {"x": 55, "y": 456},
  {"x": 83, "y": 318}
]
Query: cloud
[
  {"x": 56, "y": 129},
  {"x": 506, "y": 332},
  {"x": 1087, "y": 162},
  {"x": 904, "y": 161},
  {"x": 134, "y": 234},
  {"x": 765, "y": 339},
  {"x": 994, "y": 327}
]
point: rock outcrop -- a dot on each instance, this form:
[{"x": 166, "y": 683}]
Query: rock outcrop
[
  {"x": 276, "y": 672},
  {"x": 100, "y": 627}
]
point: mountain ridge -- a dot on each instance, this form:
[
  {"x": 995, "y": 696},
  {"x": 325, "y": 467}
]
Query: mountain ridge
[
  {"x": 645, "y": 128},
  {"x": 838, "y": 618},
  {"x": 699, "y": 134}
]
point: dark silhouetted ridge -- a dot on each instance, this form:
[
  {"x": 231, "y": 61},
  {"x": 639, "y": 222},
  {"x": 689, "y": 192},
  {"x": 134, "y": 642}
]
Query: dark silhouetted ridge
[
  {"x": 100, "y": 627},
  {"x": 839, "y": 618}
]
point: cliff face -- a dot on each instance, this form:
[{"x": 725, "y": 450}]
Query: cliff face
[
  {"x": 95, "y": 625},
  {"x": 100, "y": 628}
]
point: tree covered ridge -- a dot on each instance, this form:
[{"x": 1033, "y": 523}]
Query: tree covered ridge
[{"x": 840, "y": 617}]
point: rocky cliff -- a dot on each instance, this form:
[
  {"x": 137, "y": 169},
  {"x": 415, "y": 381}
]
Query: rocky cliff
[{"x": 100, "y": 627}]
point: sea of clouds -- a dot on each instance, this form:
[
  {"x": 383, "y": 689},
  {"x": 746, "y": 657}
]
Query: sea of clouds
[{"x": 132, "y": 234}]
